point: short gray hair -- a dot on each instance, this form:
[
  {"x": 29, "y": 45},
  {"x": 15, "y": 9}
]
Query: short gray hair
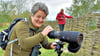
[{"x": 40, "y": 6}]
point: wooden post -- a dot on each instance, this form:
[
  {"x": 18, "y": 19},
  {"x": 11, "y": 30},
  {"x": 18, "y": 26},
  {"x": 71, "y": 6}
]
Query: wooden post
[{"x": 98, "y": 23}]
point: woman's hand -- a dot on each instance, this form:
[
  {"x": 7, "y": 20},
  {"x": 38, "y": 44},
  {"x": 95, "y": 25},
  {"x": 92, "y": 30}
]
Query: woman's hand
[
  {"x": 53, "y": 45},
  {"x": 46, "y": 30}
]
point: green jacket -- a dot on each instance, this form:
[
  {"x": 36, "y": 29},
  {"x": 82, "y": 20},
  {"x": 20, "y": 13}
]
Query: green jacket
[{"x": 26, "y": 39}]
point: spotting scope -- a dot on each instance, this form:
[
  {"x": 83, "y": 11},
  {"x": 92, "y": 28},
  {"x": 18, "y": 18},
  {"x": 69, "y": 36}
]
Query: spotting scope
[{"x": 72, "y": 37}]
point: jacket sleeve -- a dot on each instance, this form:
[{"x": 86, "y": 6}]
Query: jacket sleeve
[
  {"x": 46, "y": 44},
  {"x": 22, "y": 32},
  {"x": 68, "y": 16}
]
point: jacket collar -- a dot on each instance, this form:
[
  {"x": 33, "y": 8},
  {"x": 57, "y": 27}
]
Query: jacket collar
[
  {"x": 30, "y": 23},
  {"x": 61, "y": 13}
]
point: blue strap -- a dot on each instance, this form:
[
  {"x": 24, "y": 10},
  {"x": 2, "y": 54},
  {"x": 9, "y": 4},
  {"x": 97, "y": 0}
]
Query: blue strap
[
  {"x": 10, "y": 33},
  {"x": 11, "y": 49},
  {"x": 26, "y": 20},
  {"x": 12, "y": 41}
]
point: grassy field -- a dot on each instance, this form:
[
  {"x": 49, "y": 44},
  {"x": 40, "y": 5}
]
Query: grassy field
[{"x": 1, "y": 52}]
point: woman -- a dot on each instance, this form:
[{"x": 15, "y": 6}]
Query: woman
[{"x": 29, "y": 40}]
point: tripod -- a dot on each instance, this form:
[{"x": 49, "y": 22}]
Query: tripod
[{"x": 58, "y": 47}]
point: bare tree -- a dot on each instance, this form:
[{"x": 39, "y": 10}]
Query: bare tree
[
  {"x": 23, "y": 5},
  {"x": 5, "y": 7},
  {"x": 19, "y": 6}
]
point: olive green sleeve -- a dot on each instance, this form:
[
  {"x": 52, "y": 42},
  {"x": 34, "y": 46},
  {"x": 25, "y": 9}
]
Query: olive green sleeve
[
  {"x": 46, "y": 44},
  {"x": 22, "y": 32}
]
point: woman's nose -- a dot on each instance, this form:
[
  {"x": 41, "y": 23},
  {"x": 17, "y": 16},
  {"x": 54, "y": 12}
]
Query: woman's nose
[{"x": 41, "y": 19}]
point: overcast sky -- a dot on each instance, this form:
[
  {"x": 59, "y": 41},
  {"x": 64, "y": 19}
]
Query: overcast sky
[{"x": 55, "y": 6}]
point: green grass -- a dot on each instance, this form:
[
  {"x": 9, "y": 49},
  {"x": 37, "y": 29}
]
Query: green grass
[
  {"x": 2, "y": 28},
  {"x": 4, "y": 18},
  {"x": 46, "y": 52},
  {"x": 1, "y": 52},
  {"x": 92, "y": 28}
]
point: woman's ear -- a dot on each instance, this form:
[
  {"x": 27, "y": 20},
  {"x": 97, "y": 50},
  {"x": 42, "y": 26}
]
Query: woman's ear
[{"x": 31, "y": 14}]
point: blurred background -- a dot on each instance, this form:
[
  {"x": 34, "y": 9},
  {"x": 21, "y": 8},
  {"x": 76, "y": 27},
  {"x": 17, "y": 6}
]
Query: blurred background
[{"x": 86, "y": 19}]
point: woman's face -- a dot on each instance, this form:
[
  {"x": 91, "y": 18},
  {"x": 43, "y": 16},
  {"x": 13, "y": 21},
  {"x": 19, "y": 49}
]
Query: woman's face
[{"x": 38, "y": 18}]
